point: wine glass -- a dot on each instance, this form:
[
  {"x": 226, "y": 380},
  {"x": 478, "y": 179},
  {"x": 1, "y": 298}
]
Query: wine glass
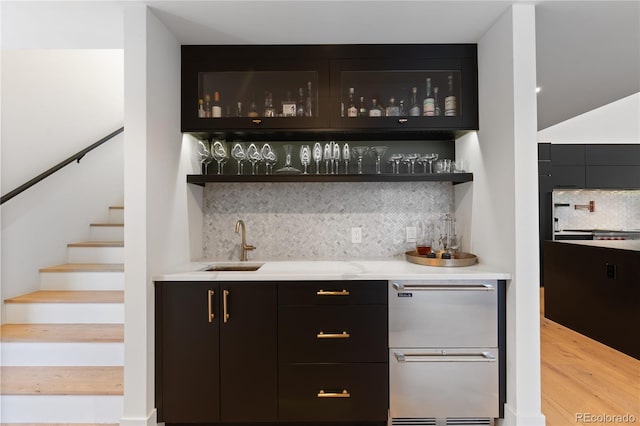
[
  {"x": 328, "y": 154},
  {"x": 335, "y": 156},
  {"x": 346, "y": 154},
  {"x": 431, "y": 158},
  {"x": 378, "y": 152},
  {"x": 204, "y": 153},
  {"x": 288, "y": 168},
  {"x": 254, "y": 156},
  {"x": 396, "y": 162},
  {"x": 305, "y": 157},
  {"x": 239, "y": 153},
  {"x": 359, "y": 152},
  {"x": 317, "y": 156},
  {"x": 220, "y": 152},
  {"x": 270, "y": 157}
]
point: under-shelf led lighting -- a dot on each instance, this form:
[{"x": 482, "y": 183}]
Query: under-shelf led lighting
[{"x": 538, "y": 89}]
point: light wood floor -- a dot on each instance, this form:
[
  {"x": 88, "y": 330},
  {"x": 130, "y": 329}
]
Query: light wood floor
[{"x": 580, "y": 375}]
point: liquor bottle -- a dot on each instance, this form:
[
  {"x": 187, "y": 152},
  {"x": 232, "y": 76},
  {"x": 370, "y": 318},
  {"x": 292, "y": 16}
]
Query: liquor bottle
[
  {"x": 428, "y": 105},
  {"x": 308, "y": 109},
  {"x": 414, "y": 111},
  {"x": 253, "y": 109},
  {"x": 216, "y": 109},
  {"x": 201, "y": 113},
  {"x": 437, "y": 102},
  {"x": 450, "y": 100},
  {"x": 207, "y": 105},
  {"x": 392, "y": 109},
  {"x": 289, "y": 107},
  {"x": 238, "y": 109},
  {"x": 269, "y": 110},
  {"x": 362, "y": 110},
  {"x": 375, "y": 110},
  {"x": 301, "y": 102},
  {"x": 352, "y": 111},
  {"x": 401, "y": 108}
]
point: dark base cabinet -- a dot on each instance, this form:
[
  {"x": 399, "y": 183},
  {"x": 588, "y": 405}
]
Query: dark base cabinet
[
  {"x": 265, "y": 353},
  {"x": 594, "y": 291}
]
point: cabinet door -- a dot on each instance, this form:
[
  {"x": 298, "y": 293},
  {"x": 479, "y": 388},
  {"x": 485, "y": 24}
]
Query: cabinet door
[
  {"x": 248, "y": 359},
  {"x": 258, "y": 88},
  {"x": 568, "y": 154},
  {"x": 568, "y": 176},
  {"x": 614, "y": 177},
  {"x": 187, "y": 374},
  {"x": 390, "y": 81}
]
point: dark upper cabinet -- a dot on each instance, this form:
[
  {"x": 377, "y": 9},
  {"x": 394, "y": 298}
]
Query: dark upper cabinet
[
  {"x": 612, "y": 155},
  {"x": 298, "y": 92},
  {"x": 567, "y": 154}
]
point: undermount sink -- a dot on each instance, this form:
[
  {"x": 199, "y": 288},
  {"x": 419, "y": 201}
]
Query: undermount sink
[{"x": 234, "y": 267}]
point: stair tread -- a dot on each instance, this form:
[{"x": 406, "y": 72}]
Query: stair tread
[
  {"x": 107, "y": 224},
  {"x": 97, "y": 244},
  {"x": 62, "y": 380},
  {"x": 85, "y": 267},
  {"x": 70, "y": 296},
  {"x": 57, "y": 333}
]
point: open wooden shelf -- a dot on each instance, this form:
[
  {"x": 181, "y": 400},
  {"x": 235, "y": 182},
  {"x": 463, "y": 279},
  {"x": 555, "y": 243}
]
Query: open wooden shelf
[{"x": 455, "y": 178}]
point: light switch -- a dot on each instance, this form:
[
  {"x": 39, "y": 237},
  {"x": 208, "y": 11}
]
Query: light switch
[{"x": 411, "y": 234}]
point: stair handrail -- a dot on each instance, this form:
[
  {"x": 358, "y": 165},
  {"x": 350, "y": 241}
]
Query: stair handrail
[{"x": 75, "y": 157}]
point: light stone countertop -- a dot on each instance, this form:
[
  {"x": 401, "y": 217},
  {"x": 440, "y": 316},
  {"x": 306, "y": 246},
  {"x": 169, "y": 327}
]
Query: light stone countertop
[
  {"x": 332, "y": 270},
  {"x": 631, "y": 245}
]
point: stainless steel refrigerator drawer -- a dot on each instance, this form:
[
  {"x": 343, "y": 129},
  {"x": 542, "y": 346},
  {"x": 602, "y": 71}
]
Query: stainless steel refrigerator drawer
[
  {"x": 428, "y": 383},
  {"x": 443, "y": 314}
]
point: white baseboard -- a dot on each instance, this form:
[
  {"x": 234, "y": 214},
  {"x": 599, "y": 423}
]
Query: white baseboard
[
  {"x": 150, "y": 420},
  {"x": 511, "y": 418}
]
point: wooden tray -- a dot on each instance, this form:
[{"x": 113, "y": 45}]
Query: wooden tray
[{"x": 460, "y": 259}]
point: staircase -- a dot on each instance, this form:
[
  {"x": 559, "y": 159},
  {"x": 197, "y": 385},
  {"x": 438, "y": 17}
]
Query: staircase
[{"x": 63, "y": 346}]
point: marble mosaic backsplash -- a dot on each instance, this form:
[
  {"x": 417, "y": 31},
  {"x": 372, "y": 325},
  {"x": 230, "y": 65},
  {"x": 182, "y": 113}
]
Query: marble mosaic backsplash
[
  {"x": 314, "y": 220},
  {"x": 615, "y": 209}
]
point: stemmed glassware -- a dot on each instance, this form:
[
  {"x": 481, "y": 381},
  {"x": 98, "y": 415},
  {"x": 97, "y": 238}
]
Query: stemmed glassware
[
  {"x": 378, "y": 152},
  {"x": 239, "y": 153},
  {"x": 359, "y": 152},
  {"x": 430, "y": 159},
  {"x": 254, "y": 156},
  {"x": 396, "y": 158},
  {"x": 220, "y": 152},
  {"x": 346, "y": 154},
  {"x": 335, "y": 157},
  {"x": 305, "y": 157},
  {"x": 327, "y": 156},
  {"x": 270, "y": 157},
  {"x": 288, "y": 168},
  {"x": 410, "y": 160},
  {"x": 317, "y": 156},
  {"x": 204, "y": 153}
]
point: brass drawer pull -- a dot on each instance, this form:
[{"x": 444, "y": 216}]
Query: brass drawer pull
[
  {"x": 323, "y": 335},
  {"x": 402, "y": 120},
  {"x": 256, "y": 122},
  {"x": 332, "y": 293},
  {"x": 210, "y": 294},
  {"x": 225, "y": 310},
  {"x": 343, "y": 394}
]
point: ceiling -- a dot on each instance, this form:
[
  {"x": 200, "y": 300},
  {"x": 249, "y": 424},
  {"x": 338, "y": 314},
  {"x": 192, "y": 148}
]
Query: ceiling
[{"x": 588, "y": 52}]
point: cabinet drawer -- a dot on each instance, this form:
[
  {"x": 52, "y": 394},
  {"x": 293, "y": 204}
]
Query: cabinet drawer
[
  {"x": 333, "y": 293},
  {"x": 443, "y": 314},
  {"x": 332, "y": 333},
  {"x": 333, "y": 392},
  {"x": 443, "y": 383}
]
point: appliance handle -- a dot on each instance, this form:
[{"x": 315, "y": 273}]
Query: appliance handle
[
  {"x": 443, "y": 287},
  {"x": 445, "y": 356}
]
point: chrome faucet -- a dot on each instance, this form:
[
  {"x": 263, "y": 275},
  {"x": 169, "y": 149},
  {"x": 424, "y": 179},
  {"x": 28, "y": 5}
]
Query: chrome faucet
[{"x": 244, "y": 247}]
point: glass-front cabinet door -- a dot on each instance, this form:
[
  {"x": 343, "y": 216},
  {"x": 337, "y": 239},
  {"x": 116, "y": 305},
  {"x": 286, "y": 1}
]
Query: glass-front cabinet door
[
  {"x": 405, "y": 93},
  {"x": 234, "y": 89}
]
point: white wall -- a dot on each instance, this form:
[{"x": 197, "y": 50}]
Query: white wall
[
  {"x": 500, "y": 207},
  {"x": 160, "y": 204},
  {"x": 55, "y": 103},
  {"x": 617, "y": 122}
]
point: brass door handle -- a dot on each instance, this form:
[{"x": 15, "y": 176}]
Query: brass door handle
[
  {"x": 225, "y": 308},
  {"x": 256, "y": 122},
  {"x": 332, "y": 293},
  {"x": 343, "y": 394},
  {"x": 323, "y": 335},
  {"x": 210, "y": 294}
]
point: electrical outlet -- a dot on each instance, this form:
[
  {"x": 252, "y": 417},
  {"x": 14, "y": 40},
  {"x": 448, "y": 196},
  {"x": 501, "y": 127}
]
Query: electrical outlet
[
  {"x": 411, "y": 234},
  {"x": 356, "y": 235}
]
